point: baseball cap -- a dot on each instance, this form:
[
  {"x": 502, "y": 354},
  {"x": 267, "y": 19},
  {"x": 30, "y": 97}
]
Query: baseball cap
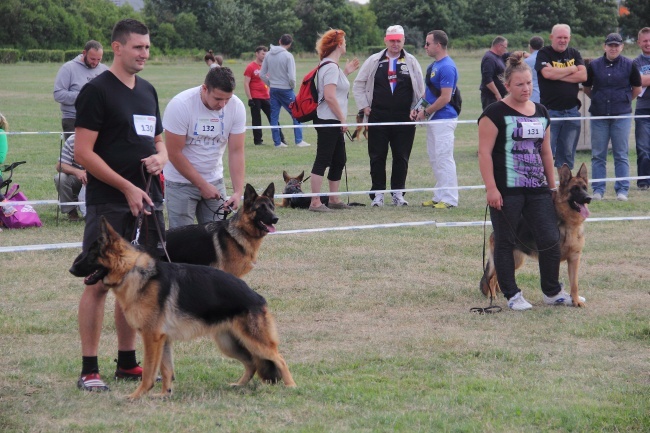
[
  {"x": 394, "y": 32},
  {"x": 613, "y": 38}
]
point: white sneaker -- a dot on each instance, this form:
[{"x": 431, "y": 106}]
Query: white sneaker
[
  {"x": 597, "y": 196},
  {"x": 562, "y": 298},
  {"x": 398, "y": 199},
  {"x": 378, "y": 200},
  {"x": 280, "y": 145},
  {"x": 303, "y": 144},
  {"x": 621, "y": 197},
  {"x": 518, "y": 303}
]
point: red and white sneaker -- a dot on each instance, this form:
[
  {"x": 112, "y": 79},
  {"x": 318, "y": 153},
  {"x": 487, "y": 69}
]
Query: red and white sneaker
[
  {"x": 134, "y": 373},
  {"x": 91, "y": 382}
]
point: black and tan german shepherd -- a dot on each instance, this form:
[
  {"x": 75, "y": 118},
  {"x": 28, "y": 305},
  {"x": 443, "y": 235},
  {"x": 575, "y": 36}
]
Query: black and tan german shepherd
[
  {"x": 230, "y": 245},
  {"x": 170, "y": 301},
  {"x": 293, "y": 185},
  {"x": 571, "y": 200},
  {"x": 356, "y": 135}
]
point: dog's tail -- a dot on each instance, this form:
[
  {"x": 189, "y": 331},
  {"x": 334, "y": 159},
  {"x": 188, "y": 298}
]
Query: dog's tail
[{"x": 267, "y": 371}]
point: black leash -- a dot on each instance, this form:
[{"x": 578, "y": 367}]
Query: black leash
[
  {"x": 140, "y": 218},
  {"x": 222, "y": 211}
]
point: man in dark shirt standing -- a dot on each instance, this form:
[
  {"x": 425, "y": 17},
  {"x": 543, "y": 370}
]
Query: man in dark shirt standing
[
  {"x": 560, "y": 70},
  {"x": 612, "y": 83},
  {"x": 387, "y": 87},
  {"x": 492, "y": 68},
  {"x": 118, "y": 139}
]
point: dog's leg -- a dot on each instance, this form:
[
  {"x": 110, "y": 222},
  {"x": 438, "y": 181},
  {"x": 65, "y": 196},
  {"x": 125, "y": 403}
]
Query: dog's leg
[
  {"x": 573, "y": 265},
  {"x": 153, "y": 350},
  {"x": 231, "y": 347},
  {"x": 167, "y": 370}
]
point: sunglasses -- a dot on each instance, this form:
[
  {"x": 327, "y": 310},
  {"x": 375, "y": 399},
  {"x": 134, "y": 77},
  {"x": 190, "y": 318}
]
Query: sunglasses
[{"x": 426, "y": 44}]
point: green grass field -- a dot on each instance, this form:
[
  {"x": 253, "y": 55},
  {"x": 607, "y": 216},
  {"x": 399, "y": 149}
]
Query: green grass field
[{"x": 375, "y": 324}]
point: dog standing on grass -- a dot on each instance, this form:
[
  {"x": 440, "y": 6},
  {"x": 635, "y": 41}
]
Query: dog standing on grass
[
  {"x": 169, "y": 301},
  {"x": 358, "y": 131},
  {"x": 230, "y": 245},
  {"x": 571, "y": 200}
]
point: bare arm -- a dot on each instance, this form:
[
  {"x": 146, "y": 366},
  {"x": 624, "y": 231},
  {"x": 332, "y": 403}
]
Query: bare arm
[
  {"x": 487, "y": 134},
  {"x": 85, "y": 155},
  {"x": 236, "y": 167},
  {"x": 636, "y": 91},
  {"x": 570, "y": 74},
  {"x": 247, "y": 87},
  {"x": 71, "y": 170},
  {"x": 645, "y": 80},
  {"x": 443, "y": 99},
  {"x": 493, "y": 88},
  {"x": 547, "y": 158}
]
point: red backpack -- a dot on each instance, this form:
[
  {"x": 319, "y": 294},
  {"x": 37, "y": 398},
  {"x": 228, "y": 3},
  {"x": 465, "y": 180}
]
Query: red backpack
[{"x": 303, "y": 109}]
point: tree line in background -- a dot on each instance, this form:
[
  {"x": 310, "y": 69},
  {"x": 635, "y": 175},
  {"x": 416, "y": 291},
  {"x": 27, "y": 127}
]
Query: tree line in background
[{"x": 233, "y": 27}]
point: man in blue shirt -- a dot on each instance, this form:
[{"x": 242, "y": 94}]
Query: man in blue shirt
[
  {"x": 440, "y": 81},
  {"x": 534, "y": 45}
]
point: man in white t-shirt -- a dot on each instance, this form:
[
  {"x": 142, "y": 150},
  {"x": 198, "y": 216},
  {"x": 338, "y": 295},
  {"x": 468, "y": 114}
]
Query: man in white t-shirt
[{"x": 200, "y": 124}]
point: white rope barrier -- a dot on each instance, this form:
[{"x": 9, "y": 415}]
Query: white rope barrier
[{"x": 43, "y": 247}]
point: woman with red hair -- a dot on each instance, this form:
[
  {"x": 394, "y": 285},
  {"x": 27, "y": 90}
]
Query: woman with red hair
[{"x": 333, "y": 87}]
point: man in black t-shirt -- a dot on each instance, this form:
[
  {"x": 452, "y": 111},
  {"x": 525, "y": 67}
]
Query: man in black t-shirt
[
  {"x": 492, "y": 68},
  {"x": 118, "y": 139},
  {"x": 560, "y": 70}
]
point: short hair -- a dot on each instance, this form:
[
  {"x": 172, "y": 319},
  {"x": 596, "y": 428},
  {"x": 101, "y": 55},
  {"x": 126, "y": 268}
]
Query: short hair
[
  {"x": 125, "y": 27},
  {"x": 440, "y": 37},
  {"x": 515, "y": 63},
  {"x": 93, "y": 45},
  {"x": 643, "y": 31},
  {"x": 561, "y": 26},
  {"x": 220, "y": 78},
  {"x": 498, "y": 40},
  {"x": 261, "y": 48},
  {"x": 536, "y": 42},
  {"x": 286, "y": 39},
  {"x": 3, "y": 122},
  {"x": 328, "y": 42}
]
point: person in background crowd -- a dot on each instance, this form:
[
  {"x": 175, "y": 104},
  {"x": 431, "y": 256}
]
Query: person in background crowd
[
  {"x": 560, "y": 70},
  {"x": 642, "y": 125},
  {"x": 72, "y": 76},
  {"x": 387, "y": 87},
  {"x": 333, "y": 87},
  {"x": 534, "y": 45},
  {"x": 258, "y": 95},
  {"x": 213, "y": 61},
  {"x": 441, "y": 80},
  {"x": 69, "y": 180},
  {"x": 279, "y": 73},
  {"x": 492, "y": 67},
  {"x": 612, "y": 83},
  {"x": 518, "y": 174}
]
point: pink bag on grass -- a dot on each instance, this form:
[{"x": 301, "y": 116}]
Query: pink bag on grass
[{"x": 24, "y": 215}]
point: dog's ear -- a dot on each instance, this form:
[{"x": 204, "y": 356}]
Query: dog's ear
[
  {"x": 285, "y": 176},
  {"x": 565, "y": 174},
  {"x": 269, "y": 191},
  {"x": 583, "y": 172},
  {"x": 301, "y": 176},
  {"x": 250, "y": 195},
  {"x": 107, "y": 234}
]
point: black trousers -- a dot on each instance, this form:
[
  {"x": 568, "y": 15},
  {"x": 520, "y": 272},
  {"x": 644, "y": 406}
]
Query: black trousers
[
  {"x": 538, "y": 211},
  {"x": 260, "y": 105},
  {"x": 400, "y": 140}
]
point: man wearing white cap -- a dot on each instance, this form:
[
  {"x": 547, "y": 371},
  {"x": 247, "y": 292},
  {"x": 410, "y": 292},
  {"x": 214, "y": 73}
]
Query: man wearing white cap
[{"x": 388, "y": 85}]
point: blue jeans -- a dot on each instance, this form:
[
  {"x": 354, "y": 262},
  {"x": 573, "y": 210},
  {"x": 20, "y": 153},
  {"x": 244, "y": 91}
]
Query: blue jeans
[
  {"x": 282, "y": 98},
  {"x": 642, "y": 137},
  {"x": 618, "y": 130},
  {"x": 564, "y": 136}
]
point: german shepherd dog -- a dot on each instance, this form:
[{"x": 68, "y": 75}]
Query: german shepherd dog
[
  {"x": 357, "y": 132},
  {"x": 170, "y": 301},
  {"x": 230, "y": 245},
  {"x": 293, "y": 185},
  {"x": 571, "y": 200}
]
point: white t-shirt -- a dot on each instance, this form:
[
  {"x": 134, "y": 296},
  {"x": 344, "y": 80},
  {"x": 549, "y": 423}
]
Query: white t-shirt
[
  {"x": 206, "y": 132},
  {"x": 332, "y": 74}
]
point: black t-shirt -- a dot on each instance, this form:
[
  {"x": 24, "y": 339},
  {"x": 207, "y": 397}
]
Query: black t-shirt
[
  {"x": 118, "y": 113},
  {"x": 393, "y": 92},
  {"x": 557, "y": 94},
  {"x": 516, "y": 156}
]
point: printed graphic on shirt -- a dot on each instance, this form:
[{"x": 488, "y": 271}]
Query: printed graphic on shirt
[
  {"x": 397, "y": 71},
  {"x": 208, "y": 131},
  {"x": 524, "y": 137}
]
